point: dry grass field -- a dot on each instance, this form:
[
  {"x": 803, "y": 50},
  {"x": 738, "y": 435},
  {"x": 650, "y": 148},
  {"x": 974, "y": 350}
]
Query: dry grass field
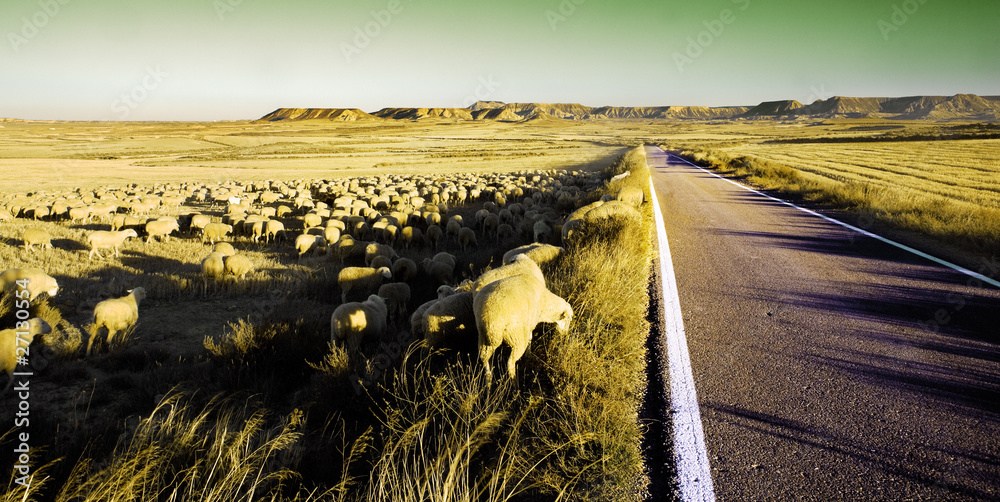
[{"x": 231, "y": 389}]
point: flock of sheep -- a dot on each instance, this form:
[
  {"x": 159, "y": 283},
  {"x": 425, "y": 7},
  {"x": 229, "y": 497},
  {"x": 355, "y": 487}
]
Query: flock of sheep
[{"x": 393, "y": 238}]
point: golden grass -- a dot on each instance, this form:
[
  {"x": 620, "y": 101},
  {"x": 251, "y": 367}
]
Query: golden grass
[{"x": 945, "y": 189}]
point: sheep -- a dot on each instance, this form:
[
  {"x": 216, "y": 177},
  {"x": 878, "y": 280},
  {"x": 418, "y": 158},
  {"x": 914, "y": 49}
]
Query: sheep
[
  {"x": 508, "y": 310},
  {"x": 631, "y": 195},
  {"x": 12, "y": 339},
  {"x": 331, "y": 234},
  {"x": 374, "y": 249},
  {"x": 416, "y": 319},
  {"x": 448, "y": 258},
  {"x": 448, "y": 319},
  {"x": 538, "y": 252},
  {"x": 404, "y": 269},
  {"x": 161, "y": 228},
  {"x": 490, "y": 223},
  {"x": 467, "y": 238},
  {"x": 225, "y": 248},
  {"x": 108, "y": 239},
  {"x": 396, "y": 296},
  {"x": 237, "y": 265},
  {"x": 435, "y": 235},
  {"x": 214, "y": 232},
  {"x": 519, "y": 265},
  {"x": 37, "y": 282},
  {"x": 412, "y": 236},
  {"x": 213, "y": 267},
  {"x": 274, "y": 229},
  {"x": 356, "y": 321},
  {"x": 364, "y": 279},
  {"x": 32, "y": 236},
  {"x": 198, "y": 222},
  {"x": 116, "y": 314},
  {"x": 122, "y": 221},
  {"x": 440, "y": 272},
  {"x": 542, "y": 231},
  {"x": 454, "y": 228},
  {"x": 505, "y": 232},
  {"x": 380, "y": 261},
  {"x": 306, "y": 242},
  {"x": 81, "y": 213}
]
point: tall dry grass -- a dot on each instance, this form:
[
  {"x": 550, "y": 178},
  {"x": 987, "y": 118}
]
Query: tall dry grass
[{"x": 971, "y": 226}]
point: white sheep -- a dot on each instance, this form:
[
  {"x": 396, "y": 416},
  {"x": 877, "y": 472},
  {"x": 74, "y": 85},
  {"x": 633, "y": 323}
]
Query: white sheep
[
  {"x": 238, "y": 266},
  {"x": 396, "y": 296},
  {"x": 225, "y": 248},
  {"x": 538, "y": 252},
  {"x": 631, "y": 195},
  {"x": 36, "y": 236},
  {"x": 161, "y": 228},
  {"x": 213, "y": 267},
  {"x": 306, "y": 242},
  {"x": 375, "y": 249},
  {"x": 356, "y": 321},
  {"x": 274, "y": 229},
  {"x": 198, "y": 222},
  {"x": 108, "y": 239},
  {"x": 508, "y": 310},
  {"x": 404, "y": 269},
  {"x": 445, "y": 257},
  {"x": 116, "y": 314},
  {"x": 19, "y": 336},
  {"x": 435, "y": 235},
  {"x": 541, "y": 231},
  {"x": 449, "y": 318},
  {"x": 214, "y": 232},
  {"x": 365, "y": 279},
  {"x": 37, "y": 282},
  {"x": 467, "y": 238},
  {"x": 416, "y": 319},
  {"x": 521, "y": 264},
  {"x": 442, "y": 273}
]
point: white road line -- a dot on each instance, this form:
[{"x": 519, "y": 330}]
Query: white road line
[
  {"x": 690, "y": 454},
  {"x": 904, "y": 247}
]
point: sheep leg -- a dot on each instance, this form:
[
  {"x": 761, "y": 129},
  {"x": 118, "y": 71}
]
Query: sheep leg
[
  {"x": 485, "y": 354},
  {"x": 516, "y": 351}
]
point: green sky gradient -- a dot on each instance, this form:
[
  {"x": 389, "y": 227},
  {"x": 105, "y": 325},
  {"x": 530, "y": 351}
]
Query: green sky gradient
[{"x": 232, "y": 59}]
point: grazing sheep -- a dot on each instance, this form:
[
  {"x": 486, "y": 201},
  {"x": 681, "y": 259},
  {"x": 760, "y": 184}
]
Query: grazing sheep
[
  {"x": 38, "y": 282},
  {"x": 416, "y": 319},
  {"x": 542, "y": 231},
  {"x": 375, "y": 249},
  {"x": 122, "y": 221},
  {"x": 404, "y": 269},
  {"x": 631, "y": 195},
  {"x": 490, "y": 223},
  {"x": 161, "y": 228},
  {"x": 380, "y": 261},
  {"x": 215, "y": 232},
  {"x": 116, "y": 314},
  {"x": 26, "y": 331},
  {"x": 508, "y": 310},
  {"x": 107, "y": 239},
  {"x": 435, "y": 235},
  {"x": 308, "y": 242},
  {"x": 331, "y": 234},
  {"x": 442, "y": 273},
  {"x": 81, "y": 213},
  {"x": 538, "y": 252},
  {"x": 225, "y": 248},
  {"x": 198, "y": 222},
  {"x": 356, "y": 321},
  {"x": 238, "y": 266},
  {"x": 449, "y": 318},
  {"x": 396, "y": 296},
  {"x": 312, "y": 220},
  {"x": 412, "y": 236},
  {"x": 364, "y": 279},
  {"x": 467, "y": 238},
  {"x": 33, "y": 236},
  {"x": 448, "y": 258},
  {"x": 213, "y": 267},
  {"x": 505, "y": 232},
  {"x": 519, "y": 265},
  {"x": 454, "y": 228},
  {"x": 274, "y": 229}
]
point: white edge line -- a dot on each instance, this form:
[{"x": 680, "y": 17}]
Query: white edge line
[
  {"x": 848, "y": 226},
  {"x": 690, "y": 453}
]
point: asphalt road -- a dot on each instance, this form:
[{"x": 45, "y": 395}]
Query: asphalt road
[{"x": 829, "y": 365}]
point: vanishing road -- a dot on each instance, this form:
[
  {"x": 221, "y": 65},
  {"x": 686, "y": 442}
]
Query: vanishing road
[{"x": 829, "y": 365}]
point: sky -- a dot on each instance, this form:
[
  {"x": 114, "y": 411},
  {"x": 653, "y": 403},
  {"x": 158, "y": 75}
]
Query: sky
[{"x": 240, "y": 59}]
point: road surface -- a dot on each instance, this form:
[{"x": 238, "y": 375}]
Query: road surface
[{"x": 829, "y": 365}]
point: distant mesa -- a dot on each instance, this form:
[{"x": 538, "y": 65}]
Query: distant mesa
[
  {"x": 937, "y": 108},
  {"x": 341, "y": 114}
]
